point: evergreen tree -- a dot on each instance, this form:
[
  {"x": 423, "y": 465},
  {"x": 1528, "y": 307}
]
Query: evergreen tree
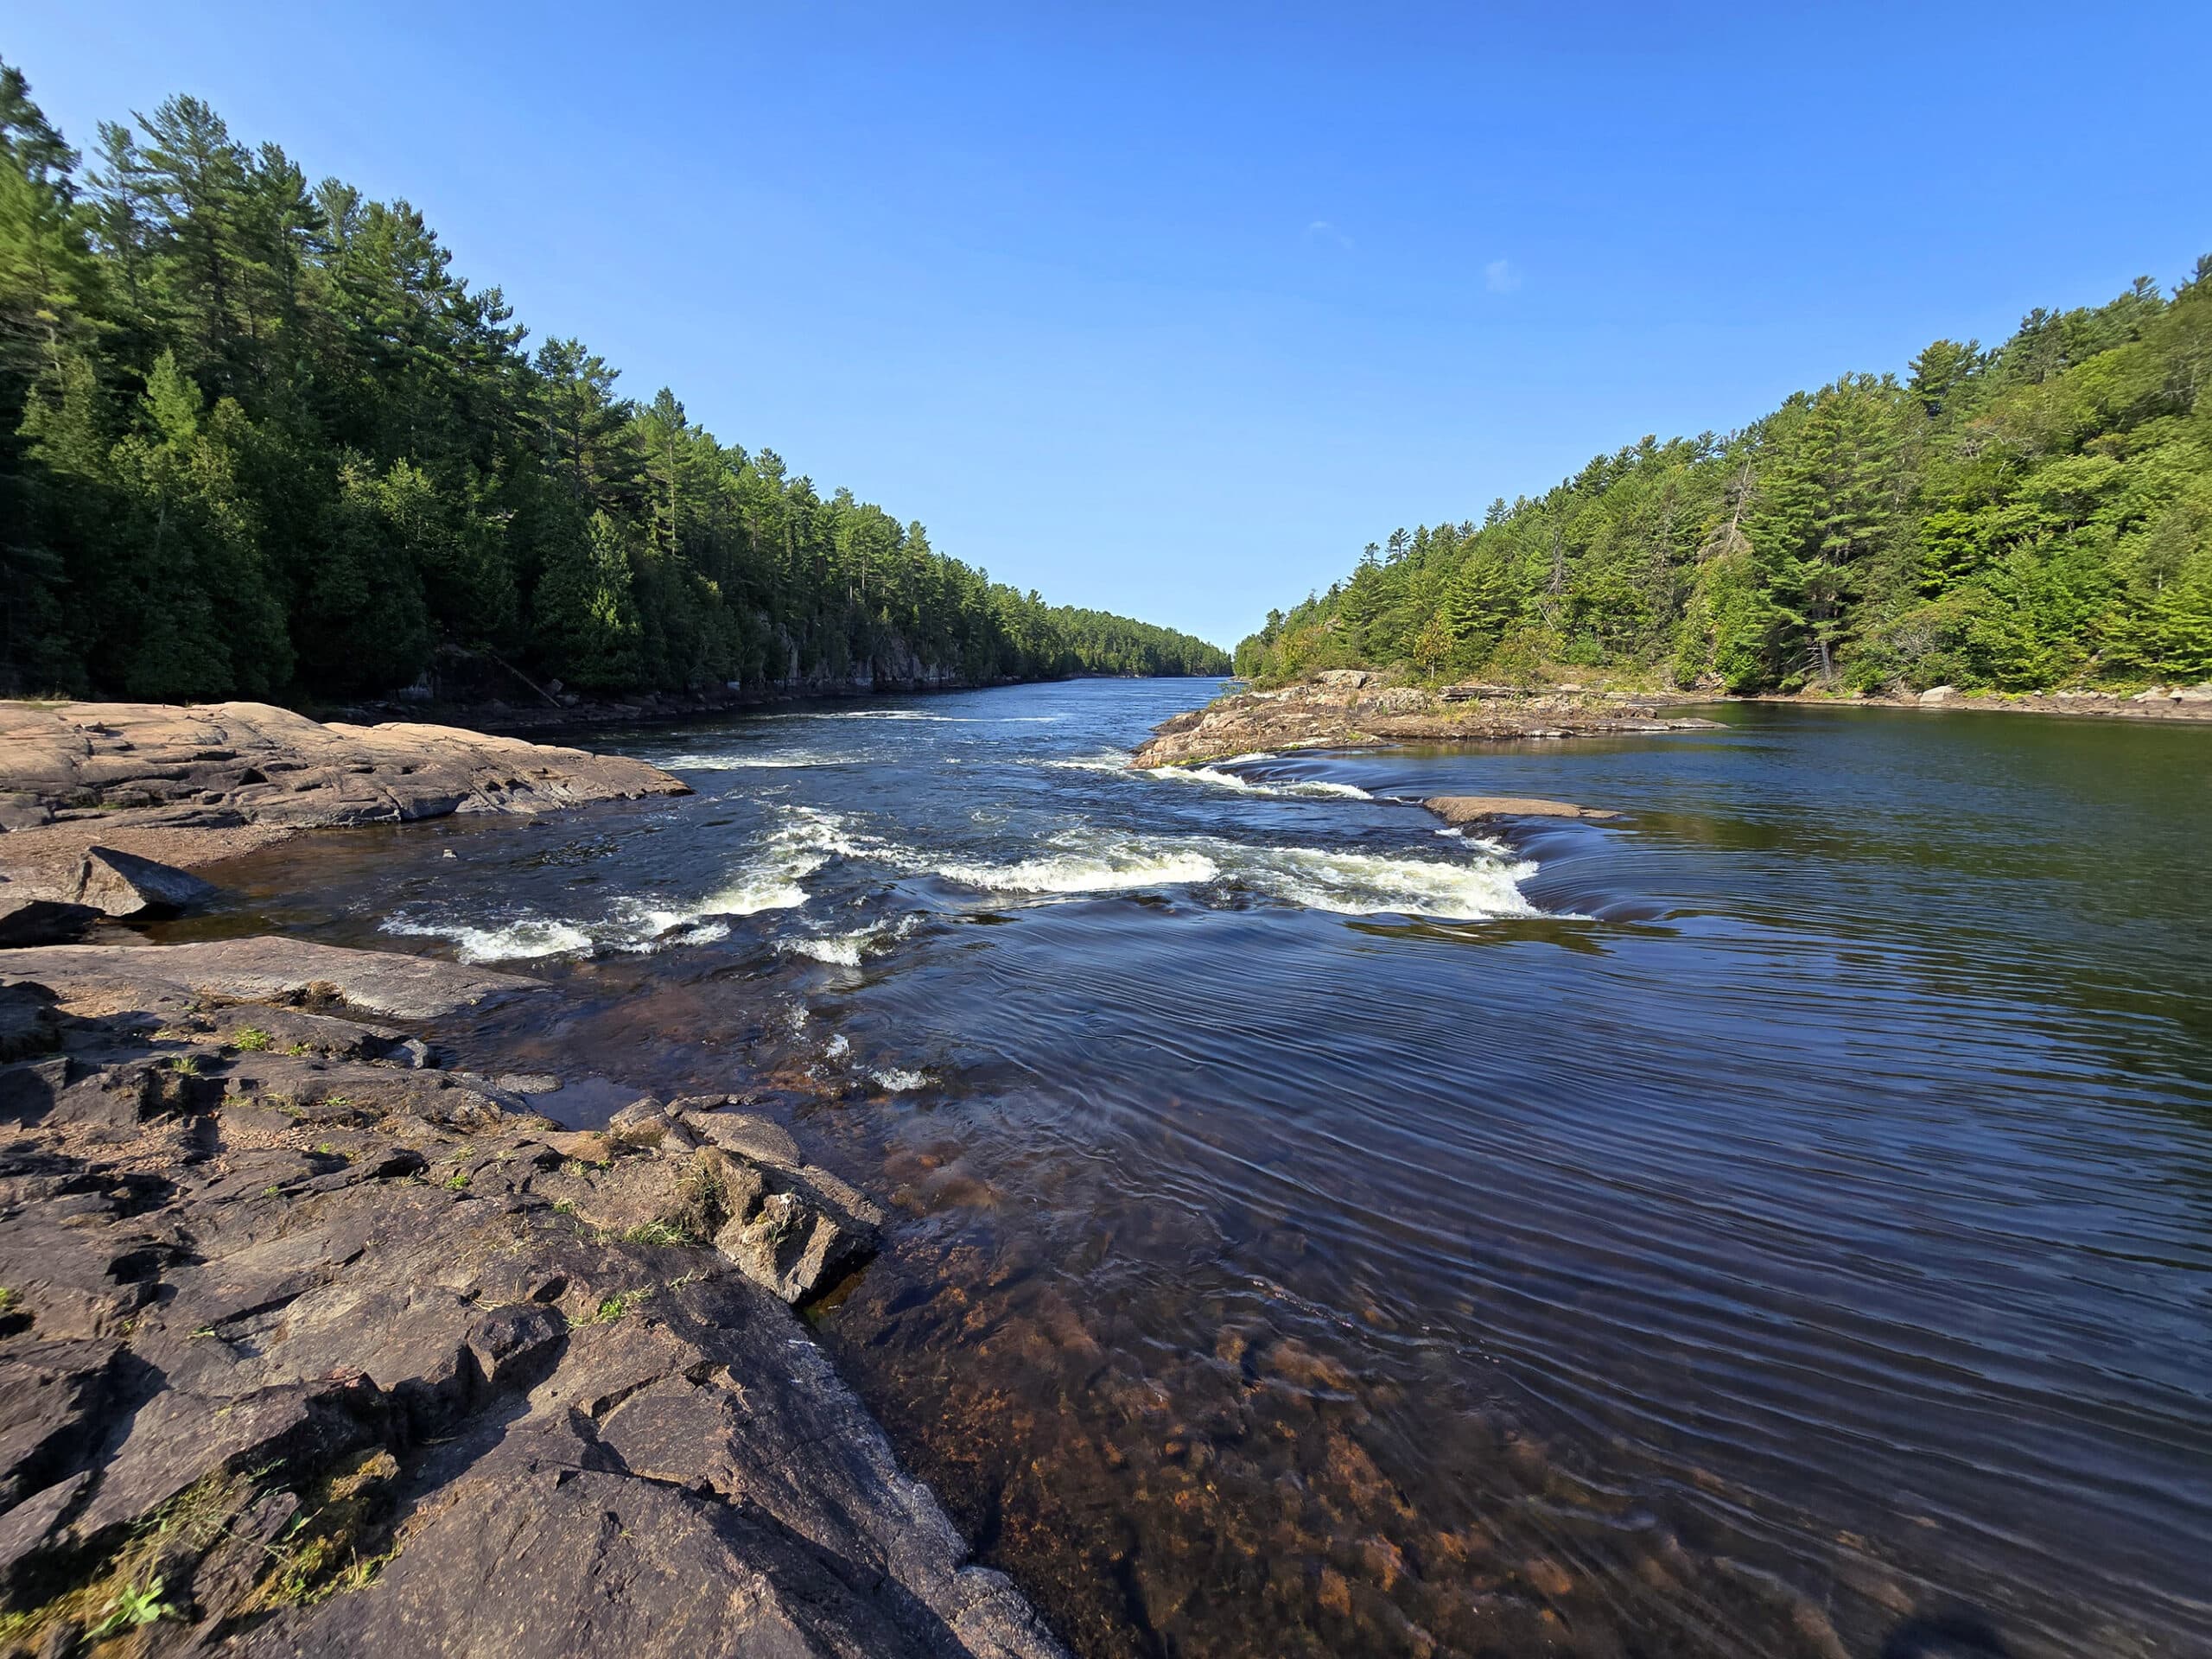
[
  {"x": 2030, "y": 516},
  {"x": 258, "y": 438}
]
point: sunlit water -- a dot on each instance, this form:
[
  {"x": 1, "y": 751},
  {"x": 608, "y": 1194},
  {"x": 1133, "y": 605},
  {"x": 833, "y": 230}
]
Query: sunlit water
[{"x": 1733, "y": 1229}]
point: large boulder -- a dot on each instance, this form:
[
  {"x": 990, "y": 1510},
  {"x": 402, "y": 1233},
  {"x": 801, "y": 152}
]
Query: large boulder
[{"x": 124, "y": 886}]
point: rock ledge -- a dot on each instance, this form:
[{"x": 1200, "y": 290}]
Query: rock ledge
[
  {"x": 307, "y": 1347},
  {"x": 1354, "y": 708}
]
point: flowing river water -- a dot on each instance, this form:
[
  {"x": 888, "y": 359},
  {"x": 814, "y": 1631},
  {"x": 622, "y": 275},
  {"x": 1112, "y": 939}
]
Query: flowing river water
[{"x": 1740, "y": 1229}]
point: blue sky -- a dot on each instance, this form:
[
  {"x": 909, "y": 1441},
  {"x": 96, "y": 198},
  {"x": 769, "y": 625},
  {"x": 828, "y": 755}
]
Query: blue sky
[{"x": 1170, "y": 309}]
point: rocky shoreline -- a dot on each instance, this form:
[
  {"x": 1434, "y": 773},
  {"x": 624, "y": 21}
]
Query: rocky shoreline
[
  {"x": 102, "y": 804},
  {"x": 1355, "y": 708},
  {"x": 1343, "y": 709},
  {"x": 312, "y": 1344},
  {"x": 2155, "y": 703}
]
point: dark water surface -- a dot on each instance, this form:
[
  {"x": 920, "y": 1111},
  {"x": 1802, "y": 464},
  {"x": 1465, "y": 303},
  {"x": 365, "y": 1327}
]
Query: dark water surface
[{"x": 1733, "y": 1229}]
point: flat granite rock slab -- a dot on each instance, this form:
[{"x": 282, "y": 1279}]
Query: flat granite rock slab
[
  {"x": 379, "y": 982},
  {"x": 234, "y": 774}
]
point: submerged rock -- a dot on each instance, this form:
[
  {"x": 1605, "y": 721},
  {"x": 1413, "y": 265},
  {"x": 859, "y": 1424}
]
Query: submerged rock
[{"x": 1475, "y": 809}]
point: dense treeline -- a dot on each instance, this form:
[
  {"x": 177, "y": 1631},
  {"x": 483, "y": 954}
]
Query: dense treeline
[
  {"x": 257, "y": 439},
  {"x": 2034, "y": 515}
]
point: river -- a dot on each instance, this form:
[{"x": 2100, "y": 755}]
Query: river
[{"x": 1740, "y": 1228}]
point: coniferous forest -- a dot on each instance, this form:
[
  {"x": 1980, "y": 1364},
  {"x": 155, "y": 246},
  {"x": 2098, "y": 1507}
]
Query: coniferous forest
[
  {"x": 259, "y": 440},
  {"x": 2032, "y": 516}
]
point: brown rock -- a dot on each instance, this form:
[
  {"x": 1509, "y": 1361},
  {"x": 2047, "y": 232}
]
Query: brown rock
[
  {"x": 191, "y": 786},
  {"x": 315, "y": 1352},
  {"x": 1355, "y": 708},
  {"x": 1476, "y": 809},
  {"x": 742, "y": 1133},
  {"x": 153, "y": 977}
]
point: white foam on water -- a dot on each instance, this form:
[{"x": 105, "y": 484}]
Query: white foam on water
[
  {"x": 1119, "y": 870},
  {"x": 524, "y": 937},
  {"x": 771, "y": 762},
  {"x": 838, "y": 950},
  {"x": 899, "y": 1081},
  {"x": 882, "y": 714},
  {"x": 805, "y": 839},
  {"x": 637, "y": 926},
  {"x": 1306, "y": 788},
  {"x": 838, "y": 1048},
  {"x": 1371, "y": 884},
  {"x": 1074, "y": 863},
  {"x": 1345, "y": 883},
  {"x": 1108, "y": 761}
]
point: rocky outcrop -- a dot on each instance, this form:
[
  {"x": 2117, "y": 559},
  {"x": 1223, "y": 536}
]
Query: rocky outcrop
[
  {"x": 1354, "y": 708},
  {"x": 309, "y": 1348},
  {"x": 1460, "y": 809},
  {"x": 250, "y": 762},
  {"x": 381, "y": 984},
  {"x": 96, "y": 796}
]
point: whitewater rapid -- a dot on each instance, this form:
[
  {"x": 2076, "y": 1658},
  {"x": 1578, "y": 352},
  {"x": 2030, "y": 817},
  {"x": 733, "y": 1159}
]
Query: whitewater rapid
[{"x": 1085, "y": 860}]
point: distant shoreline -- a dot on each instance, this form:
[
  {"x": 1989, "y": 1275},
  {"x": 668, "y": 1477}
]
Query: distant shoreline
[
  {"x": 2108, "y": 703},
  {"x": 1356, "y": 709}
]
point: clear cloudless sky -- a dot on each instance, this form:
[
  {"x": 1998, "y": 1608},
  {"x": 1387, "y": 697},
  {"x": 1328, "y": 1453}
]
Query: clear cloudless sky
[{"x": 1169, "y": 308}]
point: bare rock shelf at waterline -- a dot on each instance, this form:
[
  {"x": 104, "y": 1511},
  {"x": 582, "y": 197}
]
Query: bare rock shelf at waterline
[
  {"x": 1356, "y": 709},
  {"x": 1351, "y": 709},
  {"x": 102, "y": 804}
]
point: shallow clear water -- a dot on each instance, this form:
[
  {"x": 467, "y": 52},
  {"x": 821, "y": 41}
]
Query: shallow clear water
[{"x": 1733, "y": 1229}]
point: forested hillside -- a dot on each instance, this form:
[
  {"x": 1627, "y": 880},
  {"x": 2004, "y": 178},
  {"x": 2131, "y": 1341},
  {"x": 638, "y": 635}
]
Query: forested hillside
[
  {"x": 2036, "y": 515},
  {"x": 257, "y": 439}
]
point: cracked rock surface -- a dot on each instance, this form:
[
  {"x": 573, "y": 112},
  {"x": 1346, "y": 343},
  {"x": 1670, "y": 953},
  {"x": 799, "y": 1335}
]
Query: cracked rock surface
[{"x": 307, "y": 1347}]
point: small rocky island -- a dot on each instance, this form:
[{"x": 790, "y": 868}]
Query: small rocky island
[
  {"x": 312, "y": 1344},
  {"x": 1342, "y": 708}
]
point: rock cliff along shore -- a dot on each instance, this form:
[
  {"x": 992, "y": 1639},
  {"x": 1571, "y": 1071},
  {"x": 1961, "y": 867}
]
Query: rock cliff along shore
[{"x": 310, "y": 1345}]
